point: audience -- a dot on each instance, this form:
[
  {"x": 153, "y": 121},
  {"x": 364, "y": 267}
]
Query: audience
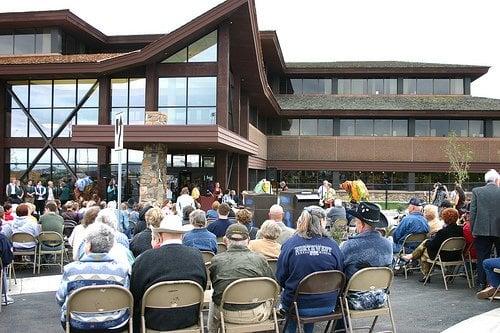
[
  {"x": 185, "y": 214},
  {"x": 276, "y": 214},
  {"x": 123, "y": 220},
  {"x": 51, "y": 221},
  {"x": 108, "y": 217},
  {"x": 80, "y": 231},
  {"x": 432, "y": 217},
  {"x": 413, "y": 223},
  {"x": 244, "y": 216},
  {"x": 337, "y": 211},
  {"x": 141, "y": 223},
  {"x": 212, "y": 213},
  {"x": 219, "y": 227},
  {"x": 169, "y": 260},
  {"x": 200, "y": 238},
  {"x": 267, "y": 245},
  {"x": 96, "y": 267},
  {"x": 71, "y": 211},
  {"x": 22, "y": 223},
  {"x": 184, "y": 200},
  {"x": 141, "y": 242},
  {"x": 236, "y": 263},
  {"x": 8, "y": 217},
  {"x": 308, "y": 251}
]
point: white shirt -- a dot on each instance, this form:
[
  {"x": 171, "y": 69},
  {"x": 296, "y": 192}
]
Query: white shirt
[
  {"x": 50, "y": 196},
  {"x": 172, "y": 241},
  {"x": 184, "y": 201},
  {"x": 12, "y": 188}
]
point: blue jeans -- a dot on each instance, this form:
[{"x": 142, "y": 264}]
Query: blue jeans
[
  {"x": 492, "y": 277},
  {"x": 309, "y": 312}
]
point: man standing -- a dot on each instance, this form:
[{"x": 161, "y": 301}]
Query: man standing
[
  {"x": 413, "y": 223},
  {"x": 51, "y": 195},
  {"x": 40, "y": 195},
  {"x": 237, "y": 262},
  {"x": 13, "y": 191},
  {"x": 276, "y": 214},
  {"x": 322, "y": 192},
  {"x": 485, "y": 221},
  {"x": 169, "y": 260}
]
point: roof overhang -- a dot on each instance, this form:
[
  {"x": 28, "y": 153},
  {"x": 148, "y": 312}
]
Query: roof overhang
[
  {"x": 271, "y": 50},
  {"x": 192, "y": 137}
]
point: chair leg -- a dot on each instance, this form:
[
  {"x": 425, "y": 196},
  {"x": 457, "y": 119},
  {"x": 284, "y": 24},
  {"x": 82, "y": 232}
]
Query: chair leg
[
  {"x": 391, "y": 316},
  {"x": 222, "y": 325},
  {"x": 373, "y": 324},
  {"x": 62, "y": 261},
  {"x": 348, "y": 315},
  {"x": 299, "y": 325},
  {"x": 492, "y": 298},
  {"x": 275, "y": 318},
  {"x": 39, "y": 262},
  {"x": 429, "y": 272},
  {"x": 471, "y": 273},
  {"x": 466, "y": 272},
  {"x": 443, "y": 268}
]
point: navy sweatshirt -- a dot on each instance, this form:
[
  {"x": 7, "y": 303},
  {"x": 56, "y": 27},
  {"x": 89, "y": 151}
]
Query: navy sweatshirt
[{"x": 300, "y": 257}]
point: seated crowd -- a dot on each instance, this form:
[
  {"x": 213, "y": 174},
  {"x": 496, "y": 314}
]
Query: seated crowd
[{"x": 137, "y": 246}]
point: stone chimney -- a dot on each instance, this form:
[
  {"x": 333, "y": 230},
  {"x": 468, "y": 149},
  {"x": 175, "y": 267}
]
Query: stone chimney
[{"x": 153, "y": 178}]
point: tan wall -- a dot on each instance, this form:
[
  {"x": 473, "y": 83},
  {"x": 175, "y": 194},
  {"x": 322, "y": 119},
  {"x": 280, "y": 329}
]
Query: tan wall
[
  {"x": 395, "y": 149},
  {"x": 259, "y": 138}
]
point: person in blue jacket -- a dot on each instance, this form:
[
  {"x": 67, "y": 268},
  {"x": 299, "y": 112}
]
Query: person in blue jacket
[
  {"x": 413, "y": 223},
  {"x": 308, "y": 251}
]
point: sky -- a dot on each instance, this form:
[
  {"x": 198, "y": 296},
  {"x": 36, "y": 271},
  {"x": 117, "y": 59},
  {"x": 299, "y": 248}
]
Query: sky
[{"x": 444, "y": 31}]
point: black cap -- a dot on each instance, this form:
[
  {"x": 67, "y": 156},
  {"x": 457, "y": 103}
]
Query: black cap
[
  {"x": 415, "y": 202},
  {"x": 370, "y": 214}
]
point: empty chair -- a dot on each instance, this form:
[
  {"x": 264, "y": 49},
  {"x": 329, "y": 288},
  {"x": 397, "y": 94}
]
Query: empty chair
[{"x": 50, "y": 242}]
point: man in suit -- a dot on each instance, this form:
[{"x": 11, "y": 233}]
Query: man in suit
[{"x": 485, "y": 221}]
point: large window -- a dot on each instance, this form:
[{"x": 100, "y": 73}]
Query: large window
[
  {"x": 433, "y": 86},
  {"x": 307, "y": 127},
  {"x": 373, "y": 127},
  {"x": 50, "y": 102},
  {"x": 190, "y": 100},
  {"x": 367, "y": 86},
  {"x": 496, "y": 128},
  {"x": 27, "y": 41},
  {"x": 308, "y": 86},
  {"x": 203, "y": 50},
  {"x": 128, "y": 97},
  {"x": 442, "y": 127}
]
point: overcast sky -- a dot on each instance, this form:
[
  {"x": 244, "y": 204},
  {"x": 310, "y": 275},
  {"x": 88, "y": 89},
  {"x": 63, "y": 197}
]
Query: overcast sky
[{"x": 445, "y": 31}]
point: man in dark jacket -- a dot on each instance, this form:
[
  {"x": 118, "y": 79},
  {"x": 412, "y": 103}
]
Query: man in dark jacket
[
  {"x": 219, "y": 227},
  {"x": 485, "y": 221},
  {"x": 142, "y": 241},
  {"x": 169, "y": 260}
]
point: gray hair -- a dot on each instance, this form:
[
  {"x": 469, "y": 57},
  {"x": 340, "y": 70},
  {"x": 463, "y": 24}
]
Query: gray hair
[
  {"x": 108, "y": 217},
  {"x": 240, "y": 243},
  {"x": 309, "y": 223},
  {"x": 197, "y": 218},
  {"x": 270, "y": 230},
  {"x": 431, "y": 210},
  {"x": 491, "y": 176},
  {"x": 100, "y": 237}
]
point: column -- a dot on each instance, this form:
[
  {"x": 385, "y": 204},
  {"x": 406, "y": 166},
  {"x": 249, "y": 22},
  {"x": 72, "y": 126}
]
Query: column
[
  {"x": 243, "y": 173},
  {"x": 223, "y": 70},
  {"x": 151, "y": 88},
  {"x": 221, "y": 165},
  {"x": 104, "y": 153}
]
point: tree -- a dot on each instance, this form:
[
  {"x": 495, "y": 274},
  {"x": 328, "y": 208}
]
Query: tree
[{"x": 460, "y": 154}]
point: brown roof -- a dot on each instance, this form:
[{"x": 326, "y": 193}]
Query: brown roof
[{"x": 57, "y": 58}]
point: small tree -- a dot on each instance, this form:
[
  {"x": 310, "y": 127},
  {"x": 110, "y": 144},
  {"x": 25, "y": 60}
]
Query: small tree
[{"x": 459, "y": 155}]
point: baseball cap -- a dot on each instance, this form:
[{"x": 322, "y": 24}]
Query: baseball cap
[
  {"x": 237, "y": 231},
  {"x": 415, "y": 202}
]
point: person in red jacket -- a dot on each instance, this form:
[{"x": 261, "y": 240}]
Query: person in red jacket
[{"x": 469, "y": 239}]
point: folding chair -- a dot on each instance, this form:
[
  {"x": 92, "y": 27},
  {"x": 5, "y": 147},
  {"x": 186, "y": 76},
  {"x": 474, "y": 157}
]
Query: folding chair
[
  {"x": 454, "y": 244},
  {"x": 207, "y": 258},
  {"x": 173, "y": 295},
  {"x": 273, "y": 263},
  {"x": 414, "y": 240},
  {"x": 24, "y": 237},
  {"x": 494, "y": 296},
  {"x": 470, "y": 261},
  {"x": 100, "y": 300},
  {"x": 369, "y": 279},
  {"x": 221, "y": 247},
  {"x": 315, "y": 284},
  {"x": 46, "y": 240},
  {"x": 251, "y": 291}
]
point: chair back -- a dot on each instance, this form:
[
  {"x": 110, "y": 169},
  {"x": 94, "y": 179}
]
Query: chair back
[
  {"x": 172, "y": 294},
  {"x": 23, "y": 237},
  {"x": 221, "y": 247},
  {"x": 50, "y": 237},
  {"x": 321, "y": 283},
  {"x": 207, "y": 256},
  {"x": 100, "y": 299},
  {"x": 251, "y": 291},
  {"x": 453, "y": 244},
  {"x": 370, "y": 278}
]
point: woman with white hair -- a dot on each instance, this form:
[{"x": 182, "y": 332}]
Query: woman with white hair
[
  {"x": 96, "y": 267},
  {"x": 268, "y": 245},
  {"x": 432, "y": 216},
  {"x": 108, "y": 217}
]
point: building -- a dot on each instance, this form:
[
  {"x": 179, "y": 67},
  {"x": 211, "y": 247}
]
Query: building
[{"x": 237, "y": 112}]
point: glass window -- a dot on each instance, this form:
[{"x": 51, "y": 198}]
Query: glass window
[
  {"x": 59, "y": 117},
  {"x": 114, "y": 156},
  {"x": 476, "y": 128},
  {"x": 456, "y": 86},
  {"x": 24, "y": 42},
  {"x": 137, "y": 92},
  {"x": 68, "y": 154},
  {"x": 18, "y": 155},
  {"x": 400, "y": 127},
  {"x": 347, "y": 127},
  {"x": 382, "y": 127},
  {"x": 325, "y": 126},
  {"x": 310, "y": 86},
  {"x": 290, "y": 127},
  {"x": 18, "y": 124},
  {"x": 422, "y": 127},
  {"x": 20, "y": 88},
  {"x": 179, "y": 161},
  {"x": 440, "y": 127},
  {"x": 308, "y": 127},
  {"x": 43, "y": 119},
  {"x": 83, "y": 87},
  {"x": 460, "y": 127},
  {"x": 119, "y": 92},
  {"x": 180, "y": 56},
  {"x": 496, "y": 128},
  {"x": 175, "y": 116},
  {"x": 169, "y": 160},
  {"x": 88, "y": 116},
  {"x": 441, "y": 86},
  {"x": 208, "y": 161},
  {"x": 409, "y": 86},
  {"x": 296, "y": 86},
  {"x": 204, "y": 49},
  {"x": 193, "y": 161},
  {"x": 359, "y": 86},
  {"x": 364, "y": 127},
  {"x": 116, "y": 111},
  {"x": 172, "y": 91},
  {"x": 45, "y": 159},
  {"x": 64, "y": 93},
  {"x": 202, "y": 91},
  {"x": 199, "y": 116},
  {"x": 43, "y": 40},
  {"x": 41, "y": 94},
  {"x": 6, "y": 43},
  {"x": 344, "y": 86},
  {"x": 135, "y": 156},
  {"x": 424, "y": 87},
  {"x": 87, "y": 156},
  {"x": 325, "y": 86},
  {"x": 375, "y": 86},
  {"x": 136, "y": 116},
  {"x": 390, "y": 86}
]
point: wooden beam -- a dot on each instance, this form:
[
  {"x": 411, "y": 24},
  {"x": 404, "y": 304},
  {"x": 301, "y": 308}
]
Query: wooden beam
[{"x": 223, "y": 72}]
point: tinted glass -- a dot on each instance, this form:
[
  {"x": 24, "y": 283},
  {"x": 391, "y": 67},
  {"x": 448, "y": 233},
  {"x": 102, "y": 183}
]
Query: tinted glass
[
  {"x": 460, "y": 127},
  {"x": 179, "y": 160},
  {"x": 400, "y": 127},
  {"x": 64, "y": 93},
  {"x": 83, "y": 87},
  {"x": 375, "y": 86},
  {"x": 59, "y": 117},
  {"x": 308, "y": 127},
  {"x": 424, "y": 86},
  {"x": 409, "y": 86},
  {"x": 296, "y": 86},
  {"x": 204, "y": 49},
  {"x": 41, "y": 94},
  {"x": 382, "y": 127},
  {"x": 6, "y": 44},
  {"x": 496, "y": 128},
  {"x": 440, "y": 127},
  {"x": 390, "y": 86},
  {"x": 325, "y": 126},
  {"x": 202, "y": 91},
  {"x": 208, "y": 161},
  {"x": 347, "y": 127},
  {"x": 24, "y": 42},
  {"x": 364, "y": 127},
  {"x": 441, "y": 86},
  {"x": 359, "y": 86},
  {"x": 476, "y": 128},
  {"x": 180, "y": 56},
  {"x": 137, "y": 92},
  {"x": 20, "y": 88},
  {"x": 344, "y": 86},
  {"x": 175, "y": 116},
  {"x": 119, "y": 92},
  {"x": 290, "y": 127},
  {"x": 43, "y": 42},
  {"x": 325, "y": 86},
  {"x": 88, "y": 116},
  {"x": 172, "y": 91},
  {"x": 193, "y": 161},
  {"x": 201, "y": 116},
  {"x": 43, "y": 119},
  {"x": 136, "y": 116},
  {"x": 457, "y": 86},
  {"x": 18, "y": 124},
  {"x": 310, "y": 86},
  {"x": 422, "y": 127}
]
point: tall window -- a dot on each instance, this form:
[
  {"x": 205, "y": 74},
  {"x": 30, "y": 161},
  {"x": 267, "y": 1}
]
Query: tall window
[
  {"x": 203, "y": 50},
  {"x": 443, "y": 127},
  {"x": 128, "y": 97},
  {"x": 496, "y": 128},
  {"x": 28, "y": 41},
  {"x": 188, "y": 100}
]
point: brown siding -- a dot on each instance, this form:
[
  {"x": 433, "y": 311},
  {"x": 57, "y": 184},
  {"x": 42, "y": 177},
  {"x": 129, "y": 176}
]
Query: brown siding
[
  {"x": 259, "y": 139},
  {"x": 256, "y": 163}
]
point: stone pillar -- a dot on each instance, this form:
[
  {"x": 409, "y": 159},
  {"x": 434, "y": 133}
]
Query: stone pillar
[{"x": 153, "y": 178}]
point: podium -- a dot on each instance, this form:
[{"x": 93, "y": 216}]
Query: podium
[
  {"x": 293, "y": 204},
  {"x": 259, "y": 204}
]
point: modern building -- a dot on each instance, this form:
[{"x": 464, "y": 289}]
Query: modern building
[{"x": 237, "y": 112}]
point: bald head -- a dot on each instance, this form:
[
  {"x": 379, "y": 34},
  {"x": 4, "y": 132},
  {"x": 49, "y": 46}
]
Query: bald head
[{"x": 276, "y": 213}]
